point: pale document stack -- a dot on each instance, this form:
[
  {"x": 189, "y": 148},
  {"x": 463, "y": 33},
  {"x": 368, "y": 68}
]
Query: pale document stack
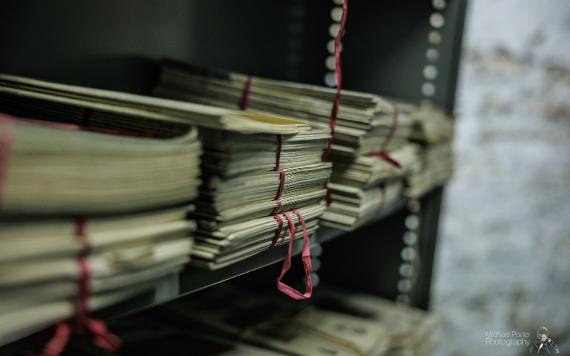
[
  {"x": 67, "y": 192},
  {"x": 363, "y": 120},
  {"x": 367, "y": 128},
  {"x": 248, "y": 180},
  {"x": 433, "y": 130},
  {"x": 105, "y": 175}
]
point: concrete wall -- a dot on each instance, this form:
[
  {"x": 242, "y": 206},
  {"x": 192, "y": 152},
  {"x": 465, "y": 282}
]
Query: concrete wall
[{"x": 504, "y": 258}]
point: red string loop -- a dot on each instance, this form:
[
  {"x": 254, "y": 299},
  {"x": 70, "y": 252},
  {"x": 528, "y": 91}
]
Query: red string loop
[
  {"x": 84, "y": 283},
  {"x": 386, "y": 157},
  {"x": 278, "y": 148},
  {"x": 244, "y": 103},
  {"x": 306, "y": 251},
  {"x": 5, "y": 150},
  {"x": 281, "y": 171},
  {"x": 383, "y": 153},
  {"x": 279, "y": 191},
  {"x": 278, "y": 230},
  {"x": 305, "y": 257},
  {"x": 328, "y": 197}
]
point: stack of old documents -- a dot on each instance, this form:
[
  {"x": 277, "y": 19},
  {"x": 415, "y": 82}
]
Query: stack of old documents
[
  {"x": 248, "y": 179},
  {"x": 433, "y": 130},
  {"x": 118, "y": 204}
]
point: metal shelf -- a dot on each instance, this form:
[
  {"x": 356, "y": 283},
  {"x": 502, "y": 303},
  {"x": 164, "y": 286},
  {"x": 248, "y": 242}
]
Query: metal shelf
[{"x": 194, "y": 279}]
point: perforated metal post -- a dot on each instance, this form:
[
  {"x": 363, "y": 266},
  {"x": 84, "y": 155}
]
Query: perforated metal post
[
  {"x": 410, "y": 254},
  {"x": 296, "y": 31},
  {"x": 330, "y": 64}
]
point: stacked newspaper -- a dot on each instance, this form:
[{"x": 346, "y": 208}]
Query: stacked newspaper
[
  {"x": 363, "y": 120},
  {"x": 53, "y": 169},
  {"x": 350, "y": 207},
  {"x": 248, "y": 179},
  {"x": 119, "y": 201},
  {"x": 371, "y": 133},
  {"x": 40, "y": 273},
  {"x": 435, "y": 167},
  {"x": 366, "y": 186},
  {"x": 109, "y": 177},
  {"x": 433, "y": 130}
]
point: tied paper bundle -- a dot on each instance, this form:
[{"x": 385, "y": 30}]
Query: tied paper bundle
[
  {"x": 270, "y": 153},
  {"x": 127, "y": 255},
  {"x": 109, "y": 111},
  {"x": 362, "y": 123},
  {"x": 84, "y": 190},
  {"x": 431, "y": 125},
  {"x": 366, "y": 186},
  {"x": 50, "y": 168},
  {"x": 434, "y": 134},
  {"x": 249, "y": 180},
  {"x": 85, "y": 222},
  {"x": 371, "y": 136},
  {"x": 277, "y": 324}
]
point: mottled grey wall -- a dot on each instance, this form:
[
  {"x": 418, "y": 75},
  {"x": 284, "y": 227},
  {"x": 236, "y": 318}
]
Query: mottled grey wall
[{"x": 504, "y": 257}]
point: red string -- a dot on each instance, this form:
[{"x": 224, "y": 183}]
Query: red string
[
  {"x": 392, "y": 132},
  {"x": 279, "y": 191},
  {"x": 58, "y": 341},
  {"x": 338, "y": 78},
  {"x": 383, "y": 153},
  {"x": 306, "y": 252},
  {"x": 306, "y": 259},
  {"x": 84, "y": 276},
  {"x": 278, "y": 152},
  {"x": 5, "y": 149},
  {"x": 281, "y": 171},
  {"x": 244, "y": 103},
  {"x": 328, "y": 197},
  {"x": 386, "y": 157},
  {"x": 82, "y": 322},
  {"x": 278, "y": 231}
]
